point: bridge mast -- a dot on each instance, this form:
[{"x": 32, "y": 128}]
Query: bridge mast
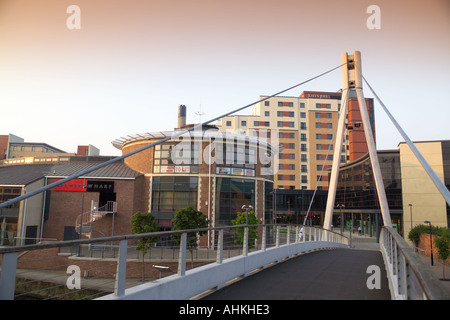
[{"x": 352, "y": 79}]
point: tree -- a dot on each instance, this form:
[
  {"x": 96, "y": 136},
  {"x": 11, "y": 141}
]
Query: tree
[
  {"x": 144, "y": 223},
  {"x": 238, "y": 233},
  {"x": 443, "y": 246},
  {"x": 187, "y": 219}
]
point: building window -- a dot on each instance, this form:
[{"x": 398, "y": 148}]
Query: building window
[
  {"x": 267, "y": 113},
  {"x": 302, "y": 114},
  {"x": 267, "y": 103},
  {"x": 170, "y": 193},
  {"x": 303, "y": 137},
  {"x": 302, "y": 104},
  {"x": 303, "y": 125},
  {"x": 243, "y": 123},
  {"x": 228, "y": 123},
  {"x": 231, "y": 194},
  {"x": 291, "y": 135},
  {"x": 170, "y": 159},
  {"x": 285, "y": 104}
]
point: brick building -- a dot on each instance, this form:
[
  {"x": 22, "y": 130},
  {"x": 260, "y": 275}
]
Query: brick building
[{"x": 213, "y": 172}]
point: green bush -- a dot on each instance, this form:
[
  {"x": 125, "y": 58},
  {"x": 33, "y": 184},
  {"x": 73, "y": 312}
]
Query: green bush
[{"x": 414, "y": 233}]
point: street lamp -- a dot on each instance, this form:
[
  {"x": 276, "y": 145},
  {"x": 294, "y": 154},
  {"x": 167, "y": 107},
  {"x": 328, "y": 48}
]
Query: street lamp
[
  {"x": 431, "y": 242},
  {"x": 340, "y": 206},
  {"x": 246, "y": 208},
  {"x": 410, "y": 210},
  {"x": 301, "y": 207}
]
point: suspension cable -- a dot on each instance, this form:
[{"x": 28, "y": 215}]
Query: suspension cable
[
  {"x": 431, "y": 173},
  {"x": 173, "y": 136}
]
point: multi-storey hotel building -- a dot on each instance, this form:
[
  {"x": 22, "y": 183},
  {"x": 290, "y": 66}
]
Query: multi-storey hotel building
[{"x": 305, "y": 127}]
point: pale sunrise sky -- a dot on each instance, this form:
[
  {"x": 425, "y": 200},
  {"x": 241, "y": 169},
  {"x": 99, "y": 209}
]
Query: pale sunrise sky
[{"x": 133, "y": 62}]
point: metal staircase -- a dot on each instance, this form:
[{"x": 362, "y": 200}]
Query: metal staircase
[{"x": 85, "y": 222}]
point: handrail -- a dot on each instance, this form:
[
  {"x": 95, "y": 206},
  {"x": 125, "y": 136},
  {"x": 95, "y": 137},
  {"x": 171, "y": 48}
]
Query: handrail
[
  {"x": 406, "y": 269},
  {"x": 130, "y": 237},
  {"x": 238, "y": 266}
]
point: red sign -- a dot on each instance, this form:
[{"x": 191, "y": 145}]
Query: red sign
[{"x": 72, "y": 185}]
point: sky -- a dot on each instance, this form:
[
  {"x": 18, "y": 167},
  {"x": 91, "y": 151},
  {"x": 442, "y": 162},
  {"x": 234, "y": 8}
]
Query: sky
[{"x": 131, "y": 63}]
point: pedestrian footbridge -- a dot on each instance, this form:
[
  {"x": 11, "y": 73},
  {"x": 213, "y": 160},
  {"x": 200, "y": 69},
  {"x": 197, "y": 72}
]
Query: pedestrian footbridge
[{"x": 284, "y": 262}]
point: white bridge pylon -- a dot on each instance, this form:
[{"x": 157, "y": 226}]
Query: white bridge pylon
[{"x": 352, "y": 79}]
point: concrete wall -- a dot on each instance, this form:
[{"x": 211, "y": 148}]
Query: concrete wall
[
  {"x": 417, "y": 187},
  {"x": 216, "y": 275}
]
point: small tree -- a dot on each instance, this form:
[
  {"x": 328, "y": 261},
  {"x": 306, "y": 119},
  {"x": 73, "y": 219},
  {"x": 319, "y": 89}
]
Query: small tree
[
  {"x": 144, "y": 223},
  {"x": 443, "y": 246},
  {"x": 414, "y": 233},
  {"x": 238, "y": 233},
  {"x": 187, "y": 219}
]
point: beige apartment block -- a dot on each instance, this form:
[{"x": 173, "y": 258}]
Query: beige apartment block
[
  {"x": 303, "y": 126},
  {"x": 421, "y": 198}
]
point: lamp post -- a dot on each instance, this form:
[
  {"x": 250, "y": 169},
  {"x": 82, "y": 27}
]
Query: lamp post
[
  {"x": 431, "y": 242},
  {"x": 410, "y": 210},
  {"x": 301, "y": 207},
  {"x": 246, "y": 208},
  {"x": 340, "y": 206}
]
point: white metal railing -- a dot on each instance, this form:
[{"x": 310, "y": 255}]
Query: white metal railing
[
  {"x": 84, "y": 222},
  {"x": 409, "y": 277},
  {"x": 214, "y": 265}
]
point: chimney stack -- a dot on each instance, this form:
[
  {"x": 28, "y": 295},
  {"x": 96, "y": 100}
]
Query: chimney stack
[{"x": 181, "y": 116}]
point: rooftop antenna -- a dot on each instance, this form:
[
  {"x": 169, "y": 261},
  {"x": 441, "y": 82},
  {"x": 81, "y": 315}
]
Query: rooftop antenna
[{"x": 200, "y": 113}]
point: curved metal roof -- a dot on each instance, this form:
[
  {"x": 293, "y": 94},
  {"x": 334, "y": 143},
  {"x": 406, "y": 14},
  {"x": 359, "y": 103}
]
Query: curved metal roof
[{"x": 212, "y": 133}]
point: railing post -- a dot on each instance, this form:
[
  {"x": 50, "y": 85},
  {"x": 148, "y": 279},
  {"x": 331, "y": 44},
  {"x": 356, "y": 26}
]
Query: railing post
[
  {"x": 288, "y": 240},
  {"x": 245, "y": 244},
  {"x": 264, "y": 238},
  {"x": 219, "y": 257},
  {"x": 121, "y": 274},
  {"x": 297, "y": 231},
  {"x": 182, "y": 256},
  {"x": 8, "y": 276},
  {"x": 277, "y": 237}
]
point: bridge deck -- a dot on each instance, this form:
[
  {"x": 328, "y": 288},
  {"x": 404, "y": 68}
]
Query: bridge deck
[{"x": 328, "y": 274}]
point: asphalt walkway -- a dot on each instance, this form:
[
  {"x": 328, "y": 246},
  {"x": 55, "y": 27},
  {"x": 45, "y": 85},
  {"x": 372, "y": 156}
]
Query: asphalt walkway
[{"x": 339, "y": 274}]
